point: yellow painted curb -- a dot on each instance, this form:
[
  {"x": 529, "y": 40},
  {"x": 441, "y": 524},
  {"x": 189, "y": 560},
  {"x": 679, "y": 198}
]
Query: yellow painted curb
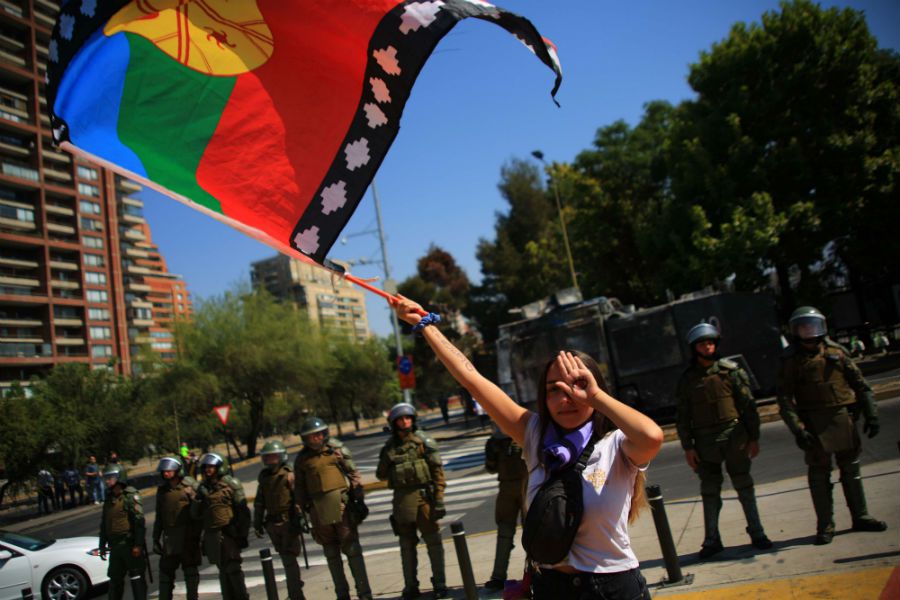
[{"x": 867, "y": 583}]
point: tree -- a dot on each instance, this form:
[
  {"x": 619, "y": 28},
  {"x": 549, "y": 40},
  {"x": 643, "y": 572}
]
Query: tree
[
  {"x": 801, "y": 109},
  {"x": 26, "y": 431},
  {"x": 364, "y": 382},
  {"x": 255, "y": 348}
]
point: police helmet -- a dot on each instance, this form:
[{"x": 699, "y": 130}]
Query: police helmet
[
  {"x": 170, "y": 463},
  {"x": 313, "y": 425},
  {"x": 404, "y": 409},
  {"x": 807, "y": 323},
  {"x": 212, "y": 459},
  {"x": 702, "y": 331},
  {"x": 274, "y": 447},
  {"x": 117, "y": 471}
]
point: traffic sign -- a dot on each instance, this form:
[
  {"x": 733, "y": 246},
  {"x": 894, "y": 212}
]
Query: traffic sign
[
  {"x": 405, "y": 373},
  {"x": 222, "y": 412}
]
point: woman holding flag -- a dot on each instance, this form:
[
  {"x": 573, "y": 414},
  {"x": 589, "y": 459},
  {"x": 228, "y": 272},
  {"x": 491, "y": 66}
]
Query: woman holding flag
[{"x": 574, "y": 410}]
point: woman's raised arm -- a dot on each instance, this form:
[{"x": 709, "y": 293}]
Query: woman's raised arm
[{"x": 509, "y": 416}]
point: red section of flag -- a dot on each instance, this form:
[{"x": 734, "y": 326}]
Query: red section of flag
[
  {"x": 222, "y": 412},
  {"x": 405, "y": 372}
]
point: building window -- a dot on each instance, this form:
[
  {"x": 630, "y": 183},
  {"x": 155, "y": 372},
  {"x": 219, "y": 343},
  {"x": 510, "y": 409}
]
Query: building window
[
  {"x": 91, "y": 224},
  {"x": 95, "y": 278},
  {"x": 87, "y": 189},
  {"x": 162, "y": 345},
  {"x": 161, "y": 334},
  {"x": 97, "y": 296},
  {"x": 98, "y": 314},
  {"x": 92, "y": 242},
  {"x": 101, "y": 351},
  {"x": 101, "y": 333},
  {"x": 87, "y": 206},
  {"x": 17, "y": 214},
  {"x": 87, "y": 173},
  {"x": 93, "y": 260},
  {"x": 143, "y": 314}
]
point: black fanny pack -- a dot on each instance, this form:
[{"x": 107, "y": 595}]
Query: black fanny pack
[{"x": 555, "y": 513}]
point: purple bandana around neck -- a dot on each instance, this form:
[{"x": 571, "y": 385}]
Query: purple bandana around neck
[{"x": 562, "y": 453}]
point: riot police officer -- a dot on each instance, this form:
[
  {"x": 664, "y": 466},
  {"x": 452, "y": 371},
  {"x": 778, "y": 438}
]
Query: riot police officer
[
  {"x": 821, "y": 394},
  {"x": 276, "y": 510},
  {"x": 221, "y": 503},
  {"x": 330, "y": 489},
  {"x": 176, "y": 535},
  {"x": 122, "y": 534},
  {"x": 504, "y": 457},
  {"x": 717, "y": 422},
  {"x": 411, "y": 464}
]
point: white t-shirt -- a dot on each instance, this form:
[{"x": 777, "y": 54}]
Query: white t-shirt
[{"x": 602, "y": 544}]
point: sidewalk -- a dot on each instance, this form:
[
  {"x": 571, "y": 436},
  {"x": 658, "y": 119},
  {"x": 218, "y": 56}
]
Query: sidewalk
[{"x": 854, "y": 566}]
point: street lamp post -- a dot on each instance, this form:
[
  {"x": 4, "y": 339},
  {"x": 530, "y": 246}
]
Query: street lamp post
[
  {"x": 389, "y": 285},
  {"x": 540, "y": 156}
]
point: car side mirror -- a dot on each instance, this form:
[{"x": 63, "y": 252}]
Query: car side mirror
[{"x": 5, "y": 555}]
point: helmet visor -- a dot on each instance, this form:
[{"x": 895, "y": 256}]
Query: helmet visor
[
  {"x": 808, "y": 328},
  {"x": 168, "y": 464}
]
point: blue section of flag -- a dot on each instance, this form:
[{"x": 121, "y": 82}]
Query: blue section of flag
[{"x": 89, "y": 99}]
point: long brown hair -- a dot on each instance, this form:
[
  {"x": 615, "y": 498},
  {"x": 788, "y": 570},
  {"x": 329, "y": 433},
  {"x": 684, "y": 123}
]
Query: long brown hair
[{"x": 602, "y": 426}]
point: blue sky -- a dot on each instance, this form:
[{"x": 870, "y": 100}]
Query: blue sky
[{"x": 481, "y": 100}]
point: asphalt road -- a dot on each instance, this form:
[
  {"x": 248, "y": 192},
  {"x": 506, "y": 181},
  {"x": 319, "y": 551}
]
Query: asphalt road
[{"x": 779, "y": 459}]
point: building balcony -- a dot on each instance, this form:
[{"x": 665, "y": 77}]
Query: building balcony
[
  {"x": 19, "y": 281},
  {"x": 132, "y": 202},
  {"x": 139, "y": 287},
  {"x": 57, "y": 174},
  {"x": 44, "y": 19},
  {"x": 143, "y": 322},
  {"x": 64, "y": 265},
  {"x": 25, "y": 350},
  {"x": 14, "y": 58},
  {"x": 134, "y": 269},
  {"x": 21, "y": 323},
  {"x": 57, "y": 228},
  {"x": 11, "y": 43},
  {"x": 140, "y": 304},
  {"x": 134, "y": 234},
  {"x": 20, "y": 151},
  {"x": 56, "y": 209},
  {"x": 69, "y": 341},
  {"x": 57, "y": 156},
  {"x": 17, "y": 262},
  {"x": 17, "y": 224},
  {"x": 126, "y": 218},
  {"x": 65, "y": 285},
  {"x": 130, "y": 251},
  {"x": 68, "y": 322},
  {"x": 128, "y": 185}
]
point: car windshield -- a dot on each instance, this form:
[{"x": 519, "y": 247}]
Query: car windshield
[{"x": 24, "y": 542}]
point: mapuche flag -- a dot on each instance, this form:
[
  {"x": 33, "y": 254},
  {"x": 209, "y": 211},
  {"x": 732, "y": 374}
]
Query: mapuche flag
[{"x": 270, "y": 115}]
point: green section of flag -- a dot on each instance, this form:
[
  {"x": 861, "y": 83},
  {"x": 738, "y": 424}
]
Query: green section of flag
[{"x": 168, "y": 115}]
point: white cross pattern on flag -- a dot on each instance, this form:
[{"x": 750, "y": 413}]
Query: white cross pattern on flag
[{"x": 222, "y": 412}]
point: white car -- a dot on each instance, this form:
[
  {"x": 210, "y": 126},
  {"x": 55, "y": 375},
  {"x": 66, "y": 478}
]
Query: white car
[{"x": 64, "y": 569}]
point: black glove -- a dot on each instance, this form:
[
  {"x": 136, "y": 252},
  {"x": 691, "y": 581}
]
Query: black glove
[
  {"x": 871, "y": 427},
  {"x": 805, "y": 440},
  {"x": 202, "y": 493},
  {"x": 157, "y": 547},
  {"x": 438, "y": 511},
  {"x": 104, "y": 552},
  {"x": 259, "y": 531}
]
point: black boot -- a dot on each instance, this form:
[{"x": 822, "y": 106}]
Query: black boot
[
  {"x": 851, "y": 481},
  {"x": 712, "y": 543}
]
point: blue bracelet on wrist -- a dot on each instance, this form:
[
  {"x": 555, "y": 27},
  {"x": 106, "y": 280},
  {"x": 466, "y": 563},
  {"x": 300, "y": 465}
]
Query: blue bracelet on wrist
[{"x": 429, "y": 319}]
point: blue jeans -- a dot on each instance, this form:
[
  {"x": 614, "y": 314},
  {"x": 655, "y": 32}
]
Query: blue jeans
[{"x": 96, "y": 493}]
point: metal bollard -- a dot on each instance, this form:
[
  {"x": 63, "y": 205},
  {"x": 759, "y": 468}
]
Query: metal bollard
[
  {"x": 265, "y": 557},
  {"x": 465, "y": 563},
  {"x": 664, "y": 533}
]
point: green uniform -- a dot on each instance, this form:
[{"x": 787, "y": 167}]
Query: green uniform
[
  {"x": 275, "y": 510},
  {"x": 504, "y": 457},
  {"x": 717, "y": 417},
  {"x": 327, "y": 481},
  {"x": 226, "y": 523},
  {"x": 176, "y": 536},
  {"x": 122, "y": 530},
  {"x": 413, "y": 469},
  {"x": 822, "y": 392}
]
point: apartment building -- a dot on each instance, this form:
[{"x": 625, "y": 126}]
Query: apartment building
[
  {"x": 327, "y": 300},
  {"x": 79, "y": 276}
]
